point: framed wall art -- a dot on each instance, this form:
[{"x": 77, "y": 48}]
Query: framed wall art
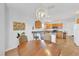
[{"x": 18, "y": 26}]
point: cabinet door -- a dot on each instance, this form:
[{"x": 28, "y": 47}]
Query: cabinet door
[
  {"x": 38, "y": 24},
  {"x": 59, "y": 35}
]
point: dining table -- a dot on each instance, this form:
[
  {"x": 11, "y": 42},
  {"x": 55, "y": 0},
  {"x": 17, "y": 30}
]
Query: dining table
[{"x": 38, "y": 48}]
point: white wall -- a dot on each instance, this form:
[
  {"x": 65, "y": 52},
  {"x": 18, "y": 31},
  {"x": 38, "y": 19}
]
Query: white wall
[
  {"x": 2, "y": 29},
  {"x": 76, "y": 34},
  {"x": 15, "y": 16},
  {"x": 68, "y": 27}
]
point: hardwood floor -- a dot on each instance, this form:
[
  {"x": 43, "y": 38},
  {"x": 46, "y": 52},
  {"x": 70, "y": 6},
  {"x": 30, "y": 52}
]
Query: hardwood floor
[
  {"x": 68, "y": 47},
  {"x": 13, "y": 52},
  {"x": 37, "y": 48}
]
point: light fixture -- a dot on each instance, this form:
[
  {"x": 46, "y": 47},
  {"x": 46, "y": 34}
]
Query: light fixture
[{"x": 41, "y": 13}]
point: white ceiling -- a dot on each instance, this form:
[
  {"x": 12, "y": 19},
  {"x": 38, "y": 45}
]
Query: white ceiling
[{"x": 55, "y": 10}]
